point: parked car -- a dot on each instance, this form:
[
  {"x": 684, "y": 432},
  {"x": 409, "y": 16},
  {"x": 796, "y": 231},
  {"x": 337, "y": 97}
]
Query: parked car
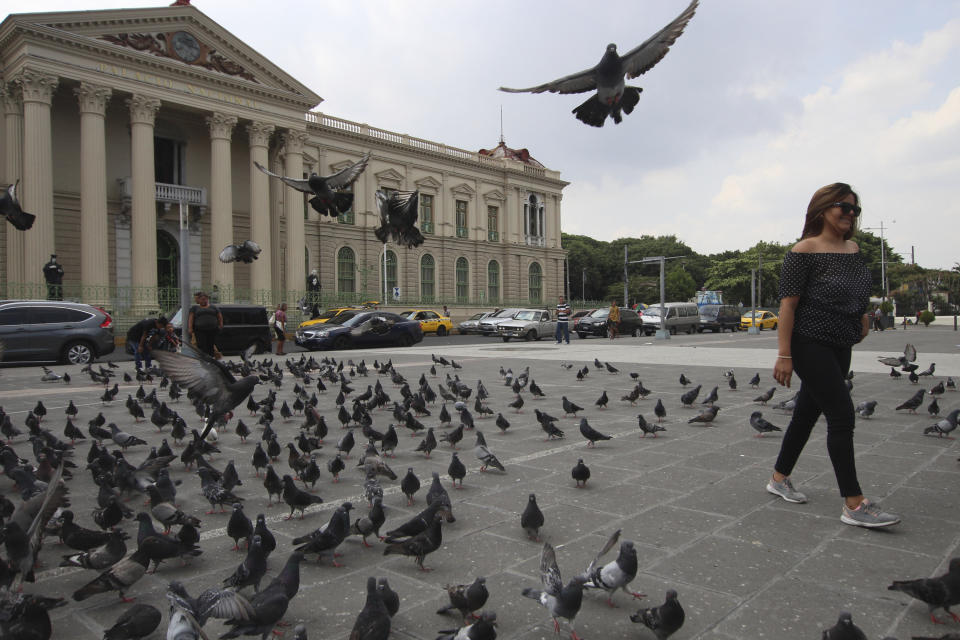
[
  {"x": 578, "y": 316},
  {"x": 595, "y": 324},
  {"x": 488, "y": 326},
  {"x": 472, "y": 324},
  {"x": 430, "y": 321},
  {"x": 365, "y": 329},
  {"x": 719, "y": 318},
  {"x": 54, "y": 331},
  {"x": 529, "y": 324},
  {"x": 244, "y": 325},
  {"x": 763, "y": 320},
  {"x": 680, "y": 316},
  {"x": 326, "y": 315}
]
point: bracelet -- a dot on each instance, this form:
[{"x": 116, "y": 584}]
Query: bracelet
[{"x": 786, "y": 357}]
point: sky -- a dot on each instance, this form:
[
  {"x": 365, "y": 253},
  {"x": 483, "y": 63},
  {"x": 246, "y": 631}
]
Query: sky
[{"x": 758, "y": 104}]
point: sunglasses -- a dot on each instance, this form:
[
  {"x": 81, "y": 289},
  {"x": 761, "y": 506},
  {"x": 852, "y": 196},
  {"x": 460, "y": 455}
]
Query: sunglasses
[{"x": 847, "y": 208}]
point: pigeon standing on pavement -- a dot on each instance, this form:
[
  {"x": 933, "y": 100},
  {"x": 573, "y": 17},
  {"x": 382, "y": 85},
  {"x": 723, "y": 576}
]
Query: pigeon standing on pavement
[
  {"x": 580, "y": 473},
  {"x": 664, "y": 620},
  {"x": 562, "y": 601},
  {"x": 660, "y": 411},
  {"x": 466, "y": 598},
  {"x": 410, "y": 484},
  {"x": 760, "y": 424},
  {"x": 911, "y": 404},
  {"x": 945, "y": 426},
  {"x": 252, "y": 569},
  {"x": 329, "y": 197},
  {"x": 939, "y": 592},
  {"x": 532, "y": 519},
  {"x": 591, "y": 434},
  {"x": 844, "y": 629},
  {"x": 647, "y": 427},
  {"x": 373, "y": 622},
  {"x": 866, "y": 408},
  {"x": 483, "y": 629},
  {"x": 138, "y": 621},
  {"x": 764, "y": 397}
]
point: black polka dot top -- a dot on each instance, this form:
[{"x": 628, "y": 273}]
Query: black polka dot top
[{"x": 834, "y": 290}]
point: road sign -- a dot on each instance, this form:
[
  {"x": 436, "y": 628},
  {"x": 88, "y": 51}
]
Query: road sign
[{"x": 396, "y": 293}]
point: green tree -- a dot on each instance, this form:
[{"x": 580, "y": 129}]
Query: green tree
[
  {"x": 679, "y": 284},
  {"x": 730, "y": 272}
]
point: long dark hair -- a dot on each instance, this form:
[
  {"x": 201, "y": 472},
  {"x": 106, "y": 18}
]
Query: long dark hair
[{"x": 820, "y": 202}]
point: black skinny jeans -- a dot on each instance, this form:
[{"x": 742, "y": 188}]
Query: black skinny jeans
[{"x": 822, "y": 369}]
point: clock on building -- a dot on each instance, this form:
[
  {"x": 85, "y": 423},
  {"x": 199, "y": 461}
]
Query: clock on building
[{"x": 185, "y": 46}]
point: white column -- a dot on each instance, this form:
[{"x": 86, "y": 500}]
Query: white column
[
  {"x": 221, "y": 201},
  {"x": 36, "y": 194},
  {"x": 260, "y": 280},
  {"x": 13, "y": 165},
  {"x": 277, "y": 190},
  {"x": 94, "y": 272},
  {"x": 293, "y": 142},
  {"x": 143, "y": 214}
]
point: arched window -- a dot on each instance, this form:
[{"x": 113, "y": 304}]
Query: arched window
[
  {"x": 535, "y": 283},
  {"x": 463, "y": 279},
  {"x": 427, "y": 265},
  {"x": 493, "y": 281},
  {"x": 391, "y": 272},
  {"x": 346, "y": 270}
]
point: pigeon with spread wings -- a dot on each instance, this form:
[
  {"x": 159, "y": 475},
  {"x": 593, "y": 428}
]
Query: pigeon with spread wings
[
  {"x": 328, "y": 198},
  {"x": 210, "y": 380},
  {"x": 398, "y": 218},
  {"x": 247, "y": 251},
  {"x": 10, "y": 209},
  {"x": 612, "y": 96}
]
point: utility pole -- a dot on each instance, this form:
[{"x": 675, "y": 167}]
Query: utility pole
[
  {"x": 754, "y": 327},
  {"x": 662, "y": 333},
  {"x": 583, "y": 285},
  {"x": 184, "y": 268}
]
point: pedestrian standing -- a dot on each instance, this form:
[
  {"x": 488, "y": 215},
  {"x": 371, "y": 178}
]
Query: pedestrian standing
[
  {"x": 280, "y": 326},
  {"x": 141, "y": 338},
  {"x": 204, "y": 322},
  {"x": 877, "y": 322},
  {"x": 824, "y": 296},
  {"x": 563, "y": 321},
  {"x": 613, "y": 319}
]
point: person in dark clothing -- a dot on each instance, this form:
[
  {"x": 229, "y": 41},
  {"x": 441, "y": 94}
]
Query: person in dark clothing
[
  {"x": 204, "y": 322},
  {"x": 53, "y": 274},
  {"x": 141, "y": 337},
  {"x": 824, "y": 295}
]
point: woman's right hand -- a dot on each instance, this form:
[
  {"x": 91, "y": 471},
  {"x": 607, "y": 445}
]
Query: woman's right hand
[{"x": 783, "y": 371}]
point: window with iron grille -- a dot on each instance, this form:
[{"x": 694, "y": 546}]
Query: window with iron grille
[
  {"x": 426, "y": 277},
  {"x": 535, "y": 283},
  {"x": 346, "y": 270},
  {"x": 426, "y": 213},
  {"x": 493, "y": 233},
  {"x": 463, "y": 279},
  {"x": 461, "y": 218},
  {"x": 493, "y": 281}
]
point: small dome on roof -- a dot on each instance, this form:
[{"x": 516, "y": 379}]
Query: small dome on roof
[{"x": 503, "y": 151}]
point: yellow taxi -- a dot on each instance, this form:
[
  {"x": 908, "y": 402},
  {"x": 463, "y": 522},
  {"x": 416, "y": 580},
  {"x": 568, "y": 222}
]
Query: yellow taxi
[
  {"x": 764, "y": 320},
  {"x": 326, "y": 315},
  {"x": 430, "y": 321}
]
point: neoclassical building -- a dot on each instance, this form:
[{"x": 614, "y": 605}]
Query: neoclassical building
[{"x": 121, "y": 123}]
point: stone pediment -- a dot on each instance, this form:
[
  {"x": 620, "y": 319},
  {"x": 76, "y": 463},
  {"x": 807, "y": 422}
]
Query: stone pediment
[
  {"x": 463, "y": 189},
  {"x": 494, "y": 195},
  {"x": 389, "y": 178},
  {"x": 181, "y": 37},
  {"x": 428, "y": 183}
]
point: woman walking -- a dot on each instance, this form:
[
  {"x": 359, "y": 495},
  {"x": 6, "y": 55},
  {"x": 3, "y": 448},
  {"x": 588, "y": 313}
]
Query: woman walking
[
  {"x": 824, "y": 295},
  {"x": 280, "y": 326}
]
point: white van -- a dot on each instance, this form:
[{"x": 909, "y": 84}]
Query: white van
[{"x": 680, "y": 316}]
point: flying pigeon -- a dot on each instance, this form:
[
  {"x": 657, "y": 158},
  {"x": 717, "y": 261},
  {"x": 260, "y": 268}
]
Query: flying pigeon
[
  {"x": 398, "y": 218},
  {"x": 247, "y": 251},
  {"x": 607, "y": 77},
  {"x": 10, "y": 208},
  {"x": 327, "y": 198}
]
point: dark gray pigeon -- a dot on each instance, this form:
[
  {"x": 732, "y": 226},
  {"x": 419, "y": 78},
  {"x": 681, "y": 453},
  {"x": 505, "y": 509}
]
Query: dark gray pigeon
[
  {"x": 561, "y": 601},
  {"x": 690, "y": 397},
  {"x": 711, "y": 397},
  {"x": 660, "y": 411},
  {"x": 483, "y": 629},
  {"x": 706, "y": 416},
  {"x": 328, "y": 197},
  {"x": 758, "y": 422},
  {"x": 246, "y": 252},
  {"x": 398, "y": 218},
  {"x": 591, "y": 434},
  {"x": 138, "y": 621},
  {"x": 866, "y": 408},
  {"x": 939, "y": 592},
  {"x": 764, "y": 397},
  {"x": 844, "y": 629},
  {"x": 10, "y": 209},
  {"x": 646, "y": 427},
  {"x": 466, "y": 598},
  {"x": 664, "y": 620},
  {"x": 914, "y": 402},
  {"x": 532, "y": 519}
]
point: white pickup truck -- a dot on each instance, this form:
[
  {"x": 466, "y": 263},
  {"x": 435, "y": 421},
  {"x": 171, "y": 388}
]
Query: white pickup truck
[{"x": 529, "y": 324}]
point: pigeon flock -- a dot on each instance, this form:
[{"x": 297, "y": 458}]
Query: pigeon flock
[{"x": 284, "y": 413}]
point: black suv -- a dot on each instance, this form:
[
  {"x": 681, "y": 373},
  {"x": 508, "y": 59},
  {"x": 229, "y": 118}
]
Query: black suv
[
  {"x": 243, "y": 325},
  {"x": 595, "y": 324},
  {"x": 54, "y": 331},
  {"x": 719, "y": 317}
]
